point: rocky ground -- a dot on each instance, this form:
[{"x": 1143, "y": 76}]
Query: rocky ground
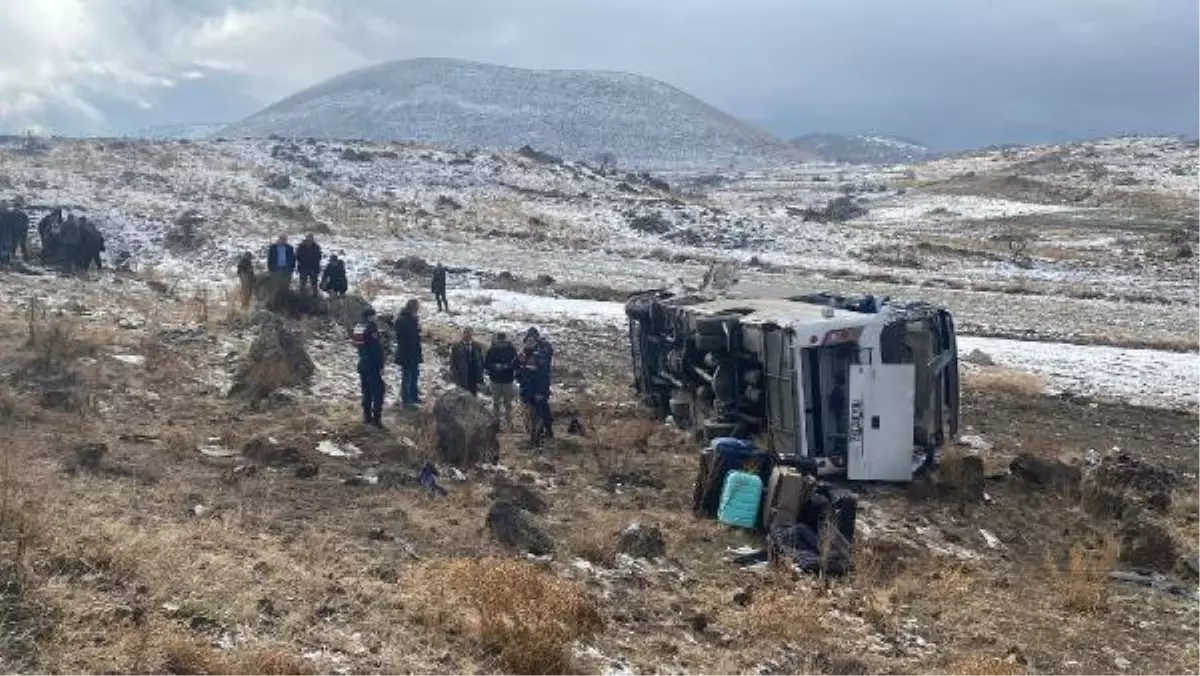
[{"x": 150, "y": 520}]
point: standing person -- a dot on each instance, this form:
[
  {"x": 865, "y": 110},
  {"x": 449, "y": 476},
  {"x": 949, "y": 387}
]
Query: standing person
[
  {"x": 439, "y": 288},
  {"x": 308, "y": 263},
  {"x": 536, "y": 360},
  {"x": 466, "y": 362},
  {"x": 245, "y": 273},
  {"x": 370, "y": 367},
  {"x": 408, "y": 353},
  {"x": 281, "y": 264},
  {"x": 333, "y": 277},
  {"x": 500, "y": 362}
]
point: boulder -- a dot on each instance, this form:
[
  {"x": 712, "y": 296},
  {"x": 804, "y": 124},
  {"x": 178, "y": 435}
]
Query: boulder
[
  {"x": 292, "y": 303},
  {"x": 1146, "y": 543},
  {"x": 519, "y": 495},
  {"x": 642, "y": 543},
  {"x": 347, "y": 310},
  {"x": 277, "y": 359},
  {"x": 514, "y": 527},
  {"x": 278, "y": 182},
  {"x": 979, "y": 358},
  {"x": 1048, "y": 472},
  {"x": 466, "y": 429}
]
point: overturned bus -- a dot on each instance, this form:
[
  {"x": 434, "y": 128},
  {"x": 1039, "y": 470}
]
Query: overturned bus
[{"x": 868, "y": 392}]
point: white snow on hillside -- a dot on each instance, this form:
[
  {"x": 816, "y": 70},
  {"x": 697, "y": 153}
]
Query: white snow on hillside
[{"x": 576, "y": 114}]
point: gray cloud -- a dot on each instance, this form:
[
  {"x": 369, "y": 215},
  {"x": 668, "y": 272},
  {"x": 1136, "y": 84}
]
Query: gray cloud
[{"x": 952, "y": 73}]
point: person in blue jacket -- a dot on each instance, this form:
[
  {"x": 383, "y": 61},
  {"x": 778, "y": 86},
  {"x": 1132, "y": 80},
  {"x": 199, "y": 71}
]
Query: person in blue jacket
[{"x": 370, "y": 367}]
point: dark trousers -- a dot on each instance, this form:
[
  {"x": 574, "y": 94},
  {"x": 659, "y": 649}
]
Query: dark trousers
[
  {"x": 543, "y": 419},
  {"x": 309, "y": 278},
  {"x": 410, "y": 391},
  {"x": 371, "y": 383},
  {"x": 442, "y": 303}
]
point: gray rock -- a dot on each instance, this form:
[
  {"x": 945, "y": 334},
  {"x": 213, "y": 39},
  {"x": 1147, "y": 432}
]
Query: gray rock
[
  {"x": 466, "y": 430},
  {"x": 517, "y": 528},
  {"x": 642, "y": 543},
  {"x": 1146, "y": 542},
  {"x": 277, "y": 360},
  {"x": 519, "y": 495}
]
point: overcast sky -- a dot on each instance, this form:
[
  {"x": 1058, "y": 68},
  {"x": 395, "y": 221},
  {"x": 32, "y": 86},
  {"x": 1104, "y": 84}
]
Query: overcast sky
[{"x": 950, "y": 73}]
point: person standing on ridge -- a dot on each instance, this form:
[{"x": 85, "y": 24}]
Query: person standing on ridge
[
  {"x": 438, "y": 286},
  {"x": 281, "y": 264},
  {"x": 365, "y": 337},
  {"x": 308, "y": 263},
  {"x": 408, "y": 353}
]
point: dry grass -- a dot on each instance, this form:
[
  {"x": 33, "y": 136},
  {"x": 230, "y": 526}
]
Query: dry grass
[
  {"x": 986, "y": 666},
  {"x": 527, "y": 617},
  {"x": 1083, "y": 579},
  {"x": 183, "y": 655},
  {"x": 594, "y": 545},
  {"x": 1008, "y": 381},
  {"x": 794, "y": 616}
]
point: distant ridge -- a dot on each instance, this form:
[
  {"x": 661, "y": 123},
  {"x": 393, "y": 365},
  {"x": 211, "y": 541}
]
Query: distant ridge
[
  {"x": 575, "y": 114},
  {"x": 863, "y": 149}
]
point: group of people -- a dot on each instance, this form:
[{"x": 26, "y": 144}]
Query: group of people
[
  {"x": 507, "y": 368},
  {"x": 284, "y": 261},
  {"x": 75, "y": 242}
]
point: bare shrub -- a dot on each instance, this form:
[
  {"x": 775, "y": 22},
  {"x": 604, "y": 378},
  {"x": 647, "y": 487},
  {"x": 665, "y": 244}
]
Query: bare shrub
[
  {"x": 527, "y": 617},
  {"x": 594, "y": 546},
  {"x": 189, "y": 658},
  {"x": 1083, "y": 579}
]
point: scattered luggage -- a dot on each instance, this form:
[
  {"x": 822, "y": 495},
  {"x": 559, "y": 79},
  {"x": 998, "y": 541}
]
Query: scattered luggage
[
  {"x": 808, "y": 522},
  {"x": 741, "y": 498}
]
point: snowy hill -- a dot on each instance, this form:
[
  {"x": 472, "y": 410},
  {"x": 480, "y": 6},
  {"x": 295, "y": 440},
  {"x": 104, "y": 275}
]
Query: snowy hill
[
  {"x": 863, "y": 149},
  {"x": 642, "y": 122}
]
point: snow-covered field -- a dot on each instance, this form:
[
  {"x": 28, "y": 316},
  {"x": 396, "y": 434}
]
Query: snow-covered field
[{"x": 1089, "y": 274}]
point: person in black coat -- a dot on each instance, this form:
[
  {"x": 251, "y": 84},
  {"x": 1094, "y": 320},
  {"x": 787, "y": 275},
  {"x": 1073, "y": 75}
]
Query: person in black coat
[
  {"x": 308, "y": 263},
  {"x": 438, "y": 287},
  {"x": 466, "y": 362},
  {"x": 281, "y": 264},
  {"x": 370, "y": 367},
  {"x": 408, "y": 353},
  {"x": 333, "y": 278},
  {"x": 500, "y": 362}
]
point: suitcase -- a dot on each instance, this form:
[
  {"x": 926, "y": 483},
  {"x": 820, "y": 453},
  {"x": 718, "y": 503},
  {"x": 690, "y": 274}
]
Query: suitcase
[{"x": 787, "y": 493}]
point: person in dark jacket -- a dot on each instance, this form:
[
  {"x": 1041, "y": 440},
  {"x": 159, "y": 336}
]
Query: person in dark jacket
[
  {"x": 333, "y": 277},
  {"x": 408, "y": 353},
  {"x": 281, "y": 264},
  {"x": 439, "y": 288},
  {"x": 466, "y": 362},
  {"x": 500, "y": 363},
  {"x": 308, "y": 263},
  {"x": 370, "y": 367},
  {"x": 245, "y": 273},
  {"x": 536, "y": 360}
]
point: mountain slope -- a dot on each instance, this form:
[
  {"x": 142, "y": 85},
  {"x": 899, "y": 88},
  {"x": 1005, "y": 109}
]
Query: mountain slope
[
  {"x": 576, "y": 114},
  {"x": 859, "y": 149}
]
